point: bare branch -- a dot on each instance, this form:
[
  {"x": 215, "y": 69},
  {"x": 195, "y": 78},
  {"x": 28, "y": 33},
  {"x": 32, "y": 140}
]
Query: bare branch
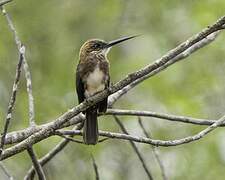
[
  {"x": 183, "y": 119},
  {"x": 168, "y": 143},
  {"x": 69, "y": 138},
  {"x": 76, "y": 140},
  {"x": 4, "y": 2},
  {"x": 29, "y": 92},
  {"x": 18, "y": 136},
  {"x": 95, "y": 168},
  {"x": 207, "y": 40},
  {"x": 51, "y": 154},
  {"x": 30, "y": 150},
  {"x": 37, "y": 166},
  {"x": 12, "y": 99},
  {"x": 21, "y": 50},
  {"x": 134, "y": 148},
  {"x": 5, "y": 170},
  {"x": 155, "y": 151},
  {"x": 31, "y": 173}
]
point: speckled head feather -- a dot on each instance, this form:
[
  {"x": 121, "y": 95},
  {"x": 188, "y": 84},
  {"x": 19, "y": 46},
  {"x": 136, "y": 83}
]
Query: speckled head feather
[
  {"x": 98, "y": 46},
  {"x": 92, "y": 46}
]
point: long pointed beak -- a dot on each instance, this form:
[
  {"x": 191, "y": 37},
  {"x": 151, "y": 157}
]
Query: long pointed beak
[{"x": 117, "y": 41}]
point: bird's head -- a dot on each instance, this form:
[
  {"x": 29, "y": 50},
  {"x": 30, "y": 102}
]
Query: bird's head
[{"x": 98, "y": 46}]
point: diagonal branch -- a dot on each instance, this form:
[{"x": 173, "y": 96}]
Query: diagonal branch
[
  {"x": 30, "y": 150},
  {"x": 36, "y": 164},
  {"x": 149, "y": 174},
  {"x": 207, "y": 40},
  {"x": 12, "y": 99},
  {"x": 95, "y": 168},
  {"x": 5, "y": 170},
  {"x": 51, "y": 154},
  {"x": 4, "y": 2}
]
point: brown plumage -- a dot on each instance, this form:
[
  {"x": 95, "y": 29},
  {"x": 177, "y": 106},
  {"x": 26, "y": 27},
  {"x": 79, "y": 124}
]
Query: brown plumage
[{"x": 92, "y": 76}]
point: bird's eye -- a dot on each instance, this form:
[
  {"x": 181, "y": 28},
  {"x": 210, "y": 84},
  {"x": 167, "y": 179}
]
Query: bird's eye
[{"x": 96, "y": 46}]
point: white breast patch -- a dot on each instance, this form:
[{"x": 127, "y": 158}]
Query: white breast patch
[{"x": 95, "y": 82}]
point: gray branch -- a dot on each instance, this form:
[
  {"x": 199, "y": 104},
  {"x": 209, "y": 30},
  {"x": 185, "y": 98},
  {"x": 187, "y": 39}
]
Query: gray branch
[
  {"x": 153, "y": 142},
  {"x": 36, "y": 164},
  {"x": 207, "y": 40},
  {"x": 30, "y": 150},
  {"x": 4, "y": 2},
  {"x": 169, "y": 117},
  {"x": 18, "y": 136},
  {"x": 5, "y": 170},
  {"x": 95, "y": 168},
  {"x": 13, "y": 97},
  {"x": 51, "y": 154}
]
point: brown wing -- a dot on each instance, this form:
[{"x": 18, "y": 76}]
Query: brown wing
[
  {"x": 79, "y": 87},
  {"x": 102, "y": 105}
]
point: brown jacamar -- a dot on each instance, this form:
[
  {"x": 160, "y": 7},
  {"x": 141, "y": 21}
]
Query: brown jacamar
[{"x": 92, "y": 76}]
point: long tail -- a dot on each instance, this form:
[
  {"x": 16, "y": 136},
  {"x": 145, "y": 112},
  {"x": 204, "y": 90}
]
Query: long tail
[{"x": 91, "y": 126}]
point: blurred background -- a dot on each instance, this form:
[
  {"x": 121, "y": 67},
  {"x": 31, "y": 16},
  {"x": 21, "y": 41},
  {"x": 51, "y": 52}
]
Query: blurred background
[{"x": 54, "y": 30}]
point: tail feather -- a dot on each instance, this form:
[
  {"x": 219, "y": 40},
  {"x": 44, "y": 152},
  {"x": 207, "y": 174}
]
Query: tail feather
[
  {"x": 91, "y": 126},
  {"x": 102, "y": 105}
]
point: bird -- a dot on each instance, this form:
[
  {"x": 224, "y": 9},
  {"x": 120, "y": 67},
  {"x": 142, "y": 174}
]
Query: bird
[{"x": 92, "y": 77}]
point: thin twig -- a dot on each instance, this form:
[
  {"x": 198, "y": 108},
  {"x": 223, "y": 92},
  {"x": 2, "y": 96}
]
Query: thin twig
[
  {"x": 95, "y": 168},
  {"x": 154, "y": 142},
  {"x": 30, "y": 150},
  {"x": 4, "y": 2},
  {"x": 31, "y": 140},
  {"x": 36, "y": 164},
  {"x": 5, "y": 170},
  {"x": 76, "y": 140},
  {"x": 18, "y": 136},
  {"x": 51, "y": 154},
  {"x": 69, "y": 138},
  {"x": 176, "y": 118},
  {"x": 207, "y": 40},
  {"x": 149, "y": 174},
  {"x": 29, "y": 92},
  {"x": 12, "y": 99},
  {"x": 155, "y": 151}
]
